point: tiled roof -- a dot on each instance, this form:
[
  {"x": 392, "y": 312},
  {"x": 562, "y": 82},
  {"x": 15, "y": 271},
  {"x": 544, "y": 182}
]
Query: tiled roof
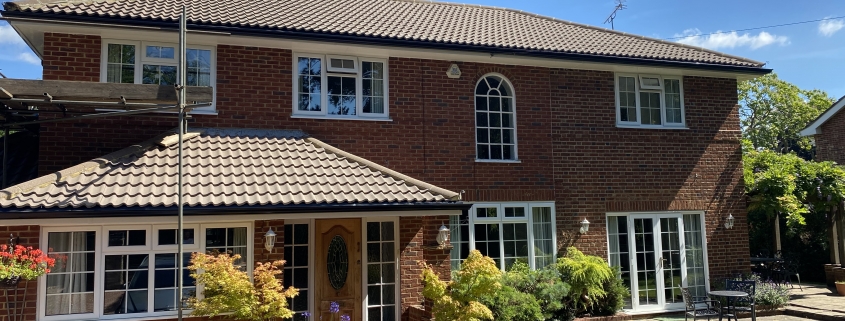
[
  {"x": 224, "y": 167},
  {"x": 416, "y": 21}
]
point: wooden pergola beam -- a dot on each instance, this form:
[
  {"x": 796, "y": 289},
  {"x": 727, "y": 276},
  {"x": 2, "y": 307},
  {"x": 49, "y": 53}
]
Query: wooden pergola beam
[{"x": 97, "y": 91}]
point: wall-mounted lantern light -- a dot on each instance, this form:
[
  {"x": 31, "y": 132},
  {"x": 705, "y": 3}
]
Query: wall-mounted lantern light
[
  {"x": 442, "y": 235},
  {"x": 585, "y": 226},
  {"x": 269, "y": 240},
  {"x": 729, "y": 222}
]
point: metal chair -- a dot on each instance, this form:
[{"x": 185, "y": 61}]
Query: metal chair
[
  {"x": 790, "y": 267},
  {"x": 746, "y": 303},
  {"x": 698, "y": 309}
]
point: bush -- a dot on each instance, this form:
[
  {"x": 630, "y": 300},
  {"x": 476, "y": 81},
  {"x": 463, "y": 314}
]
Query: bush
[
  {"x": 512, "y": 305},
  {"x": 461, "y": 298},
  {"x": 545, "y": 285},
  {"x": 614, "y": 300},
  {"x": 586, "y": 275},
  {"x": 767, "y": 294}
]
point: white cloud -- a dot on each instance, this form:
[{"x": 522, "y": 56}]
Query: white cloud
[
  {"x": 730, "y": 39},
  {"x": 14, "y": 48},
  {"x": 829, "y": 27}
]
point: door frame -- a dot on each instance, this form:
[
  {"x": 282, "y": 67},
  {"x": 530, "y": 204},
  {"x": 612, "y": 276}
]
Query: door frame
[{"x": 656, "y": 216}]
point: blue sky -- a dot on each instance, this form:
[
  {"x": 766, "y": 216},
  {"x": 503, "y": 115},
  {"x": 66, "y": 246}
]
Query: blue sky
[{"x": 810, "y": 55}]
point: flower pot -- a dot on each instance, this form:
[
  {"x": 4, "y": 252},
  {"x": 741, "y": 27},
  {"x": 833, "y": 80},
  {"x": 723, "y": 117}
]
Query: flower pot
[
  {"x": 828, "y": 274},
  {"x": 11, "y": 282},
  {"x": 840, "y": 288}
]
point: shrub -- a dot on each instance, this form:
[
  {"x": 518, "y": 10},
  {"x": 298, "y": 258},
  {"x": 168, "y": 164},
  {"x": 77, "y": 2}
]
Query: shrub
[
  {"x": 614, "y": 300},
  {"x": 586, "y": 275},
  {"x": 510, "y": 304},
  {"x": 545, "y": 285},
  {"x": 767, "y": 294},
  {"x": 227, "y": 289},
  {"x": 460, "y": 299}
]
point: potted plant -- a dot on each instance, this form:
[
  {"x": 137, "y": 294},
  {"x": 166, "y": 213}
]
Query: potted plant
[
  {"x": 22, "y": 263},
  {"x": 840, "y": 287}
]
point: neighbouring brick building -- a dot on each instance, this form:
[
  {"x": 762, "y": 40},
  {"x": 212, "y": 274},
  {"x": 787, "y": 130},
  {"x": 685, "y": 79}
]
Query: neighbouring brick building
[
  {"x": 828, "y": 131},
  {"x": 509, "y": 128}
]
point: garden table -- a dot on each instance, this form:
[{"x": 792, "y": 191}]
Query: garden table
[
  {"x": 769, "y": 262},
  {"x": 730, "y": 296}
]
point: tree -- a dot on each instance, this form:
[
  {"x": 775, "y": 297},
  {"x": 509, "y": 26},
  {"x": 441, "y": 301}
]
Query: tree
[
  {"x": 773, "y": 112},
  {"x": 227, "y": 289}
]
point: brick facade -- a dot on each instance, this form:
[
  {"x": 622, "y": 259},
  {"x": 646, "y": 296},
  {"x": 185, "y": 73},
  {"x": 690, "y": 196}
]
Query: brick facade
[
  {"x": 830, "y": 144},
  {"x": 570, "y": 150},
  {"x": 27, "y": 291}
]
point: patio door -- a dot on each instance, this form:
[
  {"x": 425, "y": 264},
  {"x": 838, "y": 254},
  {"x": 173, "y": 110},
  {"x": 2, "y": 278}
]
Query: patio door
[
  {"x": 659, "y": 262},
  {"x": 338, "y": 268}
]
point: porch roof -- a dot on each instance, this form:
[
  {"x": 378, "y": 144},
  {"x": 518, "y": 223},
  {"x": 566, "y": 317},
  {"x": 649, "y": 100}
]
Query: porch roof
[{"x": 223, "y": 168}]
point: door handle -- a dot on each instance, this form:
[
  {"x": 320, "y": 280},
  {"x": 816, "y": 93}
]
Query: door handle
[{"x": 662, "y": 262}]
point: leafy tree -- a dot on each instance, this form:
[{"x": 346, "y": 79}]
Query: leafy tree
[
  {"x": 773, "y": 112},
  {"x": 586, "y": 275},
  {"x": 227, "y": 289},
  {"x": 461, "y": 298}
]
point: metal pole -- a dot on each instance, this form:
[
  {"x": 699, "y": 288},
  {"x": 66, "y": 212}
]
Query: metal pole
[
  {"x": 182, "y": 83},
  {"x": 5, "y": 155}
]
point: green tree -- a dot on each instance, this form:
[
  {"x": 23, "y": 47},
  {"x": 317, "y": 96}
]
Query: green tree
[{"x": 773, "y": 112}]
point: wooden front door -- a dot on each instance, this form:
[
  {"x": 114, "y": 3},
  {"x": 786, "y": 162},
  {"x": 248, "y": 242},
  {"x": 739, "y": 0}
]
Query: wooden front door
[{"x": 338, "y": 267}]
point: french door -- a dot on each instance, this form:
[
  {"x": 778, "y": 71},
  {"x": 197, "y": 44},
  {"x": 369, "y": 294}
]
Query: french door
[{"x": 658, "y": 254}]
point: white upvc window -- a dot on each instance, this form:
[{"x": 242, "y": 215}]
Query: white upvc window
[
  {"x": 327, "y": 86},
  {"x": 495, "y": 119},
  {"x": 381, "y": 268},
  {"x": 505, "y": 232},
  {"x": 127, "y": 271},
  {"x": 144, "y": 62},
  {"x": 298, "y": 269},
  {"x": 649, "y": 101}
]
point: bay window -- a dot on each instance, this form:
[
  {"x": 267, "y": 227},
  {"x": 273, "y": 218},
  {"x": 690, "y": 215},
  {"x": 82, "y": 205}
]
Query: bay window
[
  {"x": 127, "y": 271},
  {"x": 505, "y": 232},
  {"x": 142, "y": 62},
  {"x": 649, "y": 101},
  {"x": 340, "y": 87}
]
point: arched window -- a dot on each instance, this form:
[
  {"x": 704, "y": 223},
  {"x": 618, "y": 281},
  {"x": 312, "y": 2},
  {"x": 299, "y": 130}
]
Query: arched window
[{"x": 495, "y": 120}]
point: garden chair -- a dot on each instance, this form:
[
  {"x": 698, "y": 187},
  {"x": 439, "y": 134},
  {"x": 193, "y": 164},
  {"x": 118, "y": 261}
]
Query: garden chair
[
  {"x": 746, "y": 303},
  {"x": 698, "y": 309},
  {"x": 790, "y": 267}
]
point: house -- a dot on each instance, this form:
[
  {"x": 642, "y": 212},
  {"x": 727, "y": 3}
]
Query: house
[
  {"x": 378, "y": 121},
  {"x": 828, "y": 132}
]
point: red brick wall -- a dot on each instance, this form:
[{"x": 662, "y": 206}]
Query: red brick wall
[
  {"x": 570, "y": 150},
  {"x": 830, "y": 144},
  {"x": 71, "y": 57}
]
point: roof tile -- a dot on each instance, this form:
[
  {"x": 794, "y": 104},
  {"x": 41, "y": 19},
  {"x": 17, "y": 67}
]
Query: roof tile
[{"x": 224, "y": 167}]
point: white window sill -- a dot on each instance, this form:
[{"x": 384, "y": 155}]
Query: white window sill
[
  {"x": 342, "y": 117},
  {"x": 650, "y": 127},
  {"x": 505, "y": 161}
]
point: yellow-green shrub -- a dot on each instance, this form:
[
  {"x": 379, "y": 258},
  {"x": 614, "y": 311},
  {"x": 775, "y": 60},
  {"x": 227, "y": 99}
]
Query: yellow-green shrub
[{"x": 460, "y": 299}]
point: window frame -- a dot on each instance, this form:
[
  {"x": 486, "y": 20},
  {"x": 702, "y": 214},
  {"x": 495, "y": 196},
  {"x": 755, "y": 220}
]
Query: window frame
[
  {"x": 311, "y": 255},
  {"x": 396, "y": 259},
  {"x": 638, "y": 88},
  {"x": 140, "y": 59},
  {"x": 515, "y": 158},
  {"x": 101, "y": 250},
  {"x": 501, "y": 219},
  {"x": 359, "y": 89}
]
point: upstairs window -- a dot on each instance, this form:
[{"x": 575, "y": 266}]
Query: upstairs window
[
  {"x": 136, "y": 62},
  {"x": 495, "y": 120},
  {"x": 340, "y": 87},
  {"x": 649, "y": 101}
]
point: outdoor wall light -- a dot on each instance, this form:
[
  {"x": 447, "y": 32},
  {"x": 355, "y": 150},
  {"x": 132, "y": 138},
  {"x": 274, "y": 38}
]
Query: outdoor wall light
[
  {"x": 729, "y": 222},
  {"x": 269, "y": 240},
  {"x": 442, "y": 235},
  {"x": 585, "y": 226}
]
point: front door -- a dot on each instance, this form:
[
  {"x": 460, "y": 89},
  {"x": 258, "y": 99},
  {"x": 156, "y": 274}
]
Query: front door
[
  {"x": 659, "y": 262},
  {"x": 338, "y": 268}
]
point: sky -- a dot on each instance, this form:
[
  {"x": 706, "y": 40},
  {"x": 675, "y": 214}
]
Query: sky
[{"x": 809, "y": 55}]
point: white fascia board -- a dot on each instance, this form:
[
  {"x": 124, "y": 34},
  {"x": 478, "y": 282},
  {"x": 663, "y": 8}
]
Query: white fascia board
[
  {"x": 219, "y": 38},
  {"x": 815, "y": 127}
]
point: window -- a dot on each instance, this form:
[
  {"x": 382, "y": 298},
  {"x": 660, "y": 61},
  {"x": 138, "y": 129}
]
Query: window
[
  {"x": 136, "y": 62},
  {"x": 126, "y": 270},
  {"x": 343, "y": 87},
  {"x": 506, "y": 232},
  {"x": 297, "y": 267},
  {"x": 495, "y": 120},
  {"x": 381, "y": 255},
  {"x": 649, "y": 101}
]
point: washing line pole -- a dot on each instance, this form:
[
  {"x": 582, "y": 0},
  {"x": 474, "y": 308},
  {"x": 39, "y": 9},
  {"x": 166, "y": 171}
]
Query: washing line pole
[{"x": 179, "y": 229}]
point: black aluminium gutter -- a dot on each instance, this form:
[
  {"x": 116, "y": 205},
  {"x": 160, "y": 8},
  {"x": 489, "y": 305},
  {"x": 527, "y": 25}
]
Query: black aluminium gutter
[
  {"x": 100, "y": 212},
  {"x": 365, "y": 40}
]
